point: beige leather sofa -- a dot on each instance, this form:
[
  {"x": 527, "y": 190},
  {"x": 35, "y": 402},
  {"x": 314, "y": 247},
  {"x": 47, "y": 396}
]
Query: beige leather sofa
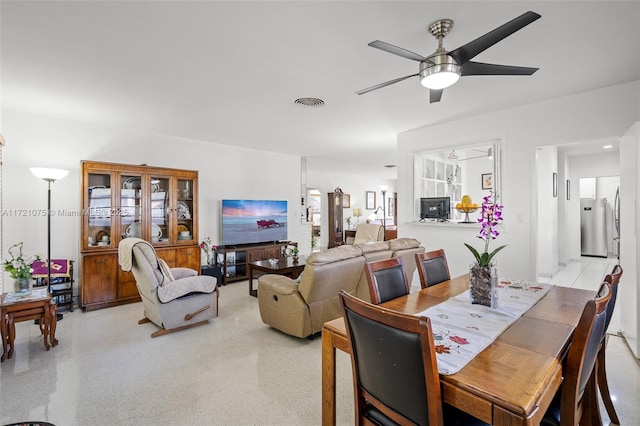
[{"x": 301, "y": 308}]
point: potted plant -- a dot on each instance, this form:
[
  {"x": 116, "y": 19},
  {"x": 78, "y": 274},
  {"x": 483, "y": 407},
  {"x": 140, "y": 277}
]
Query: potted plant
[
  {"x": 210, "y": 250},
  {"x": 19, "y": 267},
  {"x": 483, "y": 275}
]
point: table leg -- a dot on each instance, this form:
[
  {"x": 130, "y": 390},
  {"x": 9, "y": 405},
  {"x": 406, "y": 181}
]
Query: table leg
[
  {"x": 252, "y": 292},
  {"x": 3, "y": 334},
  {"x": 53, "y": 324},
  {"x": 12, "y": 334},
  {"x": 328, "y": 380},
  {"x": 46, "y": 319}
]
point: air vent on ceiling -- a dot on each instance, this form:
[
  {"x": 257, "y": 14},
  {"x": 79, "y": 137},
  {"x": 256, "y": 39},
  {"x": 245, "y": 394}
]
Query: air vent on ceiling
[{"x": 309, "y": 102}]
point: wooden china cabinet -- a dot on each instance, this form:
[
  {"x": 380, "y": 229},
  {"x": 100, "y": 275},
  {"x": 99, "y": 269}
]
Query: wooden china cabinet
[{"x": 119, "y": 201}]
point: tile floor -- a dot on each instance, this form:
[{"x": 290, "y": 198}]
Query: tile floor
[{"x": 233, "y": 371}]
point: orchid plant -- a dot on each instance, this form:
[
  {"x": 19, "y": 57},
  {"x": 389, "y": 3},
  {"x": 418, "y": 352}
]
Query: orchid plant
[
  {"x": 19, "y": 266},
  {"x": 490, "y": 217}
]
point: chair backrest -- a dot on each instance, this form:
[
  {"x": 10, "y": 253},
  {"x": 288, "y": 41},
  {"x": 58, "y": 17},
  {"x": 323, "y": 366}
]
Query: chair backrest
[
  {"x": 613, "y": 279},
  {"x": 581, "y": 359},
  {"x": 387, "y": 279},
  {"x": 394, "y": 367},
  {"x": 368, "y": 232},
  {"x": 432, "y": 267}
]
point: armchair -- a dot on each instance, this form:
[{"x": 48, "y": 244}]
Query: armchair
[
  {"x": 367, "y": 232},
  {"x": 173, "y": 298}
]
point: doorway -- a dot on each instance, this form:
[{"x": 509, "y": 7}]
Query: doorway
[
  {"x": 604, "y": 190},
  {"x": 559, "y": 169},
  {"x": 314, "y": 215}
]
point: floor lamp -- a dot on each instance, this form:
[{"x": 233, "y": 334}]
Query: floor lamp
[
  {"x": 383, "y": 189},
  {"x": 49, "y": 176}
]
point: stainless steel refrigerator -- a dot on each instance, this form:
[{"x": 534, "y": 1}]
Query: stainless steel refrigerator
[{"x": 593, "y": 227}]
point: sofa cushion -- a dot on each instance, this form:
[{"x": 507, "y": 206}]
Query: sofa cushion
[
  {"x": 334, "y": 255},
  {"x": 403, "y": 243},
  {"x": 373, "y": 246}
]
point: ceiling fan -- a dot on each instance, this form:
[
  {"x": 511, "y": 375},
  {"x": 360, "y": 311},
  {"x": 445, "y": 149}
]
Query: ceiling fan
[{"x": 443, "y": 68}]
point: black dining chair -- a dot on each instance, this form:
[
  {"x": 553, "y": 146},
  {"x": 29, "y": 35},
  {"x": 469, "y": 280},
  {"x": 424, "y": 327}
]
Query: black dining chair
[
  {"x": 395, "y": 373},
  {"x": 613, "y": 279},
  {"x": 432, "y": 267},
  {"x": 387, "y": 279},
  {"x": 577, "y": 398}
]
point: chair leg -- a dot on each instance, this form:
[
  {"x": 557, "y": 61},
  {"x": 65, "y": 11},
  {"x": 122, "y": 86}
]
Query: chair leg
[{"x": 603, "y": 385}]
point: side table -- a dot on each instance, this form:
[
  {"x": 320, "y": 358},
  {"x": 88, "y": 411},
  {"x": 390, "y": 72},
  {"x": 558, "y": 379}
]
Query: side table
[
  {"x": 39, "y": 305},
  {"x": 213, "y": 271}
]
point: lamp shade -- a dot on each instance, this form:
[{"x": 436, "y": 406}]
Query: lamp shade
[
  {"x": 357, "y": 212},
  {"x": 49, "y": 174}
]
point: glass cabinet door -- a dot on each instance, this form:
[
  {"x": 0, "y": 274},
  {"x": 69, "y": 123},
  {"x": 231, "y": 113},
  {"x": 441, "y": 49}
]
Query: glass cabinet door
[
  {"x": 99, "y": 210},
  {"x": 160, "y": 209},
  {"x": 130, "y": 206},
  {"x": 185, "y": 210}
]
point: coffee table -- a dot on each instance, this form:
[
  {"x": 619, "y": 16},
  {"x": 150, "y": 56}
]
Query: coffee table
[{"x": 285, "y": 266}]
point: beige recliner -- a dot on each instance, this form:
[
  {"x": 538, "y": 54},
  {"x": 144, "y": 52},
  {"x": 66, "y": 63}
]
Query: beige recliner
[
  {"x": 366, "y": 233},
  {"x": 173, "y": 298},
  {"x": 301, "y": 308}
]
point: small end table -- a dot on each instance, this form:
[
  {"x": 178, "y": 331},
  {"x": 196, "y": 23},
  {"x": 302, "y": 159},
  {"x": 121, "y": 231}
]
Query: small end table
[
  {"x": 39, "y": 305},
  {"x": 284, "y": 266}
]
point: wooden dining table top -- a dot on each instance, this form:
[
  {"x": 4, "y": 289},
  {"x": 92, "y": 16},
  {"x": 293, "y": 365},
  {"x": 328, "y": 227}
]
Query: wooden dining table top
[{"x": 513, "y": 380}]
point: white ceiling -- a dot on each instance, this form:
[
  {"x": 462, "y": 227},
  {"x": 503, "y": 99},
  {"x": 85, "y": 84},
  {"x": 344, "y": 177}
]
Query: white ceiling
[{"x": 228, "y": 72}]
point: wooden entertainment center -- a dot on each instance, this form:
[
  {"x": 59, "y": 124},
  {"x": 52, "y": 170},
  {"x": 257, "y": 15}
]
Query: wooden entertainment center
[{"x": 236, "y": 259}]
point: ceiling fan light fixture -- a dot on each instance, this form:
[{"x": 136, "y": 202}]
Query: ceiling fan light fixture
[{"x": 439, "y": 76}]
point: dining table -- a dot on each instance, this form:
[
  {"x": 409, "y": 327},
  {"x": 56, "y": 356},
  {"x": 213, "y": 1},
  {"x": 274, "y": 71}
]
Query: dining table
[{"x": 512, "y": 381}]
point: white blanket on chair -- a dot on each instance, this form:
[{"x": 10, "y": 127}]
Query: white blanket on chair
[{"x": 125, "y": 252}]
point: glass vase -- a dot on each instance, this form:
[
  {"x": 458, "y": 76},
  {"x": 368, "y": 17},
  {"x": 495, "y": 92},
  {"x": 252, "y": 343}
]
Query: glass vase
[
  {"x": 483, "y": 285},
  {"x": 23, "y": 286}
]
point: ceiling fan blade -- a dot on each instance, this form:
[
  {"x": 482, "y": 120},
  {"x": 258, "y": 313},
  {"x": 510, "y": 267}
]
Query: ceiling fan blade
[
  {"x": 464, "y": 53},
  {"x": 396, "y": 50},
  {"x": 386, "y": 83},
  {"x": 480, "y": 68},
  {"x": 435, "y": 95}
]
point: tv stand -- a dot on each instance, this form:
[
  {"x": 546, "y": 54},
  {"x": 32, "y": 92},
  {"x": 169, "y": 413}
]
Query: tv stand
[{"x": 236, "y": 258}]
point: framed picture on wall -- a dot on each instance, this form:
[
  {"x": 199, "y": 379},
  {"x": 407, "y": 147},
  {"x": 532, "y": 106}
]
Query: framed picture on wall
[
  {"x": 346, "y": 201},
  {"x": 391, "y": 211},
  {"x": 555, "y": 184},
  {"x": 371, "y": 200},
  {"x": 487, "y": 181}
]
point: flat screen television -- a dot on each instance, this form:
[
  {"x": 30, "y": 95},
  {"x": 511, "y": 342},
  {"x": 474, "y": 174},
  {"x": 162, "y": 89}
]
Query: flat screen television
[
  {"x": 435, "y": 208},
  {"x": 253, "y": 221}
]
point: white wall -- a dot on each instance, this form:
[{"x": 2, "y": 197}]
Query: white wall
[
  {"x": 602, "y": 113},
  {"x": 546, "y": 163},
  {"x": 629, "y": 294},
  {"x": 224, "y": 172}
]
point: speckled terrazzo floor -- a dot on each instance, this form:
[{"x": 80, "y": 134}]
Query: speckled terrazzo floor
[{"x": 233, "y": 371}]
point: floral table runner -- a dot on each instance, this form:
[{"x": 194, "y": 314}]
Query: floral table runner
[{"x": 462, "y": 330}]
